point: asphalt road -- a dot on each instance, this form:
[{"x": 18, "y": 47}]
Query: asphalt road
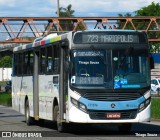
[{"x": 14, "y": 124}]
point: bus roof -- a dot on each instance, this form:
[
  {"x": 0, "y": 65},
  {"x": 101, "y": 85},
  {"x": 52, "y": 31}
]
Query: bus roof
[
  {"x": 112, "y": 30},
  {"x": 42, "y": 41},
  {"x": 55, "y": 37}
]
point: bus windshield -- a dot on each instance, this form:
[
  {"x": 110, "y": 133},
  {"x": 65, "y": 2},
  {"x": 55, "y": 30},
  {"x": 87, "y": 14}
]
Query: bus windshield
[
  {"x": 130, "y": 68},
  {"x": 91, "y": 68},
  {"x": 109, "y": 69}
]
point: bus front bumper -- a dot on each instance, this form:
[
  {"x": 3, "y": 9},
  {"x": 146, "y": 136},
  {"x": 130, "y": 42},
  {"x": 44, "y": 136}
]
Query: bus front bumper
[{"x": 78, "y": 116}]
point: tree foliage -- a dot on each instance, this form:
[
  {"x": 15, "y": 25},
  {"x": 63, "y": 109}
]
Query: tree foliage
[
  {"x": 151, "y": 10},
  {"x": 122, "y": 22},
  {"x": 6, "y": 62},
  {"x": 68, "y": 12}
]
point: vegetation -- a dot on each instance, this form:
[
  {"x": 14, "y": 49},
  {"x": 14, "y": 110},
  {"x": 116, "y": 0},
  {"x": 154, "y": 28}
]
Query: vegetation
[
  {"x": 151, "y": 10},
  {"x": 5, "y": 99},
  {"x": 155, "y": 113},
  {"x": 68, "y": 25},
  {"x": 6, "y": 62},
  {"x": 66, "y": 12}
]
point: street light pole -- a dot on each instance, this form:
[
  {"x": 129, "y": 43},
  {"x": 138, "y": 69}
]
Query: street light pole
[
  {"x": 58, "y": 8},
  {"x": 58, "y": 13}
]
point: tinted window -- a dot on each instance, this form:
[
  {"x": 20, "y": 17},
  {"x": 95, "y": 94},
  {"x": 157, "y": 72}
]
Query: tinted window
[
  {"x": 49, "y": 59},
  {"x": 42, "y": 61}
]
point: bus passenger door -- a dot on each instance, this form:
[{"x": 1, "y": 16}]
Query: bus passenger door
[
  {"x": 64, "y": 66},
  {"x": 36, "y": 86}
]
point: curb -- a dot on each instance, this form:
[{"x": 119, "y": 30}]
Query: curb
[{"x": 157, "y": 120}]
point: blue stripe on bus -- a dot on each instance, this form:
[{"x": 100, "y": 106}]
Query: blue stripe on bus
[{"x": 106, "y": 105}]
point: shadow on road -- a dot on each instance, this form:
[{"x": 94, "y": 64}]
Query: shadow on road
[{"x": 99, "y": 130}]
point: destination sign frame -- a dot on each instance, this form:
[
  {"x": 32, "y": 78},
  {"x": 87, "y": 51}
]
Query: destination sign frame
[{"x": 109, "y": 37}]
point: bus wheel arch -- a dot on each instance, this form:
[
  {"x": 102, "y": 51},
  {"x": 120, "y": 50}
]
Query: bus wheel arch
[{"x": 56, "y": 116}]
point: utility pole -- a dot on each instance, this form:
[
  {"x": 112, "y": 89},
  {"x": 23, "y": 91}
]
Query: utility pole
[
  {"x": 58, "y": 8},
  {"x": 58, "y": 14}
]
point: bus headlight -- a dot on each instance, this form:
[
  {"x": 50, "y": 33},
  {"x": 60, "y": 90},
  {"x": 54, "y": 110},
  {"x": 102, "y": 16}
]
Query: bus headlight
[
  {"x": 82, "y": 107},
  {"x": 79, "y": 105},
  {"x": 74, "y": 102},
  {"x": 143, "y": 105}
]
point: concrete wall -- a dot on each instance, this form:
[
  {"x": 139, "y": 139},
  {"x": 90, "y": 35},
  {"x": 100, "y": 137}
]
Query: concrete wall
[{"x": 5, "y": 74}]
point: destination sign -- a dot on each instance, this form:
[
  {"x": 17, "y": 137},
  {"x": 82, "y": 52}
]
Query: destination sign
[
  {"x": 99, "y": 38},
  {"x": 109, "y": 37}
]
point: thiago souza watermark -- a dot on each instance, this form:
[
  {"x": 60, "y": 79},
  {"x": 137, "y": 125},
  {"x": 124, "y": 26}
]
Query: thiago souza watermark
[
  {"x": 146, "y": 134},
  {"x": 21, "y": 134}
]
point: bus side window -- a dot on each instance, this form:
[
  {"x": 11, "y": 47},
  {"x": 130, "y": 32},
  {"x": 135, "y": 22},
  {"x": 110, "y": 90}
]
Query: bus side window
[
  {"x": 20, "y": 58},
  {"x": 15, "y": 64},
  {"x": 56, "y": 59},
  {"x": 31, "y": 62},
  {"x": 42, "y": 61},
  {"x": 25, "y": 63},
  {"x": 49, "y": 59},
  {"x": 18, "y": 64}
]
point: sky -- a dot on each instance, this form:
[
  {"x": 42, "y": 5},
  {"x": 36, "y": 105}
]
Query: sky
[{"x": 83, "y": 8}]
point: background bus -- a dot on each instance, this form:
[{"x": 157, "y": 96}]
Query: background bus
[{"x": 84, "y": 77}]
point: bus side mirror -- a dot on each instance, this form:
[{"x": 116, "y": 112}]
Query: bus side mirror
[{"x": 151, "y": 62}]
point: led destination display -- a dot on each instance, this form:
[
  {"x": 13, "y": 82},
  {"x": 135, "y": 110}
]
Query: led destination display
[
  {"x": 107, "y": 37},
  {"x": 98, "y": 38}
]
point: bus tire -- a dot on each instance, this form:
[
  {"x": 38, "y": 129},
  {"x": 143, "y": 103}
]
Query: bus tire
[
  {"x": 60, "y": 125},
  {"x": 125, "y": 128},
  {"x": 29, "y": 120}
]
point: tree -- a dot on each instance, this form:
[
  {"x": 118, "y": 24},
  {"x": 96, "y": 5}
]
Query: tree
[
  {"x": 6, "y": 62},
  {"x": 122, "y": 22},
  {"x": 151, "y": 10},
  {"x": 68, "y": 12}
]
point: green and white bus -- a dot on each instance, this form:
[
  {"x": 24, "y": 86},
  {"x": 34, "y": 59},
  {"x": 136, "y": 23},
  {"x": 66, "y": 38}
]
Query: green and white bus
[{"x": 87, "y": 77}]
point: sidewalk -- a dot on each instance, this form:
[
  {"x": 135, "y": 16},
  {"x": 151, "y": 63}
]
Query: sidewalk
[{"x": 155, "y": 120}]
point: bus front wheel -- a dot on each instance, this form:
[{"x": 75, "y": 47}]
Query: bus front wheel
[
  {"x": 29, "y": 120},
  {"x": 60, "y": 125}
]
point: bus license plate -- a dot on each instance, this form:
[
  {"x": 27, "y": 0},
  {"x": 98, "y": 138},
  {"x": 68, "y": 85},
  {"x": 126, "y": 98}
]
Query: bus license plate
[{"x": 113, "y": 115}]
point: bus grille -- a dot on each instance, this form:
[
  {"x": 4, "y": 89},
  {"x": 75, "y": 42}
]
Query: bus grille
[
  {"x": 112, "y": 96},
  {"x": 101, "y": 115}
]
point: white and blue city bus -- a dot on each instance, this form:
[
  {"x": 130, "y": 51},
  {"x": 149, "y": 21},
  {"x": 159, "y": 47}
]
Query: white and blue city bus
[{"x": 84, "y": 77}]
